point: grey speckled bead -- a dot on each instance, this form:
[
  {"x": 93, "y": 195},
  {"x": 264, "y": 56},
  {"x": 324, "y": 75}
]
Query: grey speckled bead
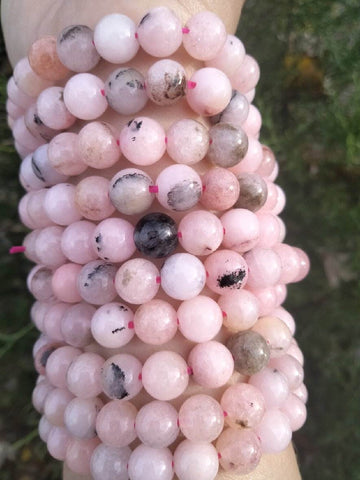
[
  {"x": 228, "y": 145},
  {"x": 125, "y": 91},
  {"x": 253, "y": 191},
  {"x": 250, "y": 351},
  {"x": 236, "y": 111},
  {"x": 76, "y": 50}
]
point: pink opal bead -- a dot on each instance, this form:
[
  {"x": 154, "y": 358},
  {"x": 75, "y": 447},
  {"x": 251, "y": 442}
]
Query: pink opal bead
[
  {"x": 267, "y": 298},
  {"x": 165, "y": 375},
  {"x": 39, "y": 282},
  {"x": 59, "y": 204},
  {"x": 304, "y": 264},
  {"x": 76, "y": 242},
  {"x": 200, "y": 319},
  {"x": 267, "y": 163},
  {"x": 282, "y": 233},
  {"x": 97, "y": 145},
  {"x": 211, "y": 92},
  {"x": 14, "y": 111},
  {"x": 206, "y": 36},
  {"x": 44, "y": 428},
  {"x": 95, "y": 282},
  {"x": 92, "y": 199},
  {"x": 43, "y": 168},
  {"x": 252, "y": 124},
  {"x": 247, "y": 75},
  {"x": 157, "y": 424},
  {"x": 228, "y": 144},
  {"x": 110, "y": 325},
  {"x": 179, "y": 187},
  {"x": 220, "y": 189},
  {"x": 244, "y": 405},
  {"x": 274, "y": 431},
  {"x": 115, "y": 423},
  {"x": 183, "y": 276},
  {"x": 235, "y": 112},
  {"x": 272, "y": 384},
  {"x": 76, "y": 325},
  {"x": 136, "y": 281},
  {"x": 241, "y": 229},
  {"x": 83, "y": 96},
  {"x": 251, "y": 160},
  {"x": 31, "y": 210},
  {"x": 271, "y": 197},
  {"x": 23, "y": 136},
  {"x": 80, "y": 416},
  {"x": 39, "y": 394},
  {"x": 240, "y": 309},
  {"x": 44, "y": 60},
  {"x": 196, "y": 460},
  {"x": 302, "y": 393},
  {"x": 276, "y": 334},
  {"x": 291, "y": 368},
  {"x": 64, "y": 283},
  {"x": 57, "y": 442},
  {"x": 289, "y": 262},
  {"x": 230, "y": 57},
  {"x": 295, "y": 410},
  {"x": 240, "y": 451},
  {"x": 78, "y": 454},
  {"x": 280, "y": 201},
  {"x": 201, "y": 418},
  {"x": 64, "y": 155},
  {"x": 28, "y": 179},
  {"x": 36, "y": 127},
  {"x": 75, "y": 48},
  {"x": 17, "y": 96},
  {"x": 83, "y": 377},
  {"x": 286, "y": 317},
  {"x": 159, "y": 32},
  {"x": 38, "y": 312},
  {"x": 269, "y": 229},
  {"x": 110, "y": 463},
  {"x": 125, "y": 91},
  {"x": 142, "y": 141},
  {"x": 165, "y": 82},
  {"x": 155, "y": 322},
  {"x": 150, "y": 463},
  {"x": 58, "y": 364},
  {"x": 114, "y": 38},
  {"x": 48, "y": 247},
  {"x": 37, "y": 207},
  {"x": 121, "y": 376},
  {"x": 113, "y": 240},
  {"x": 21, "y": 149},
  {"x": 226, "y": 270},
  {"x": 29, "y": 243},
  {"x": 187, "y": 141},
  {"x": 24, "y": 213},
  {"x": 52, "y": 321},
  {"x": 200, "y": 232},
  {"x": 211, "y": 363},
  {"x": 264, "y": 267},
  {"x": 27, "y": 80},
  {"x": 51, "y": 109},
  {"x": 55, "y": 404},
  {"x": 295, "y": 352}
]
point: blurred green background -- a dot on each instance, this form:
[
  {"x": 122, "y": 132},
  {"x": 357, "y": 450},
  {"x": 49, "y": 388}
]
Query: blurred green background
[{"x": 309, "y": 96}]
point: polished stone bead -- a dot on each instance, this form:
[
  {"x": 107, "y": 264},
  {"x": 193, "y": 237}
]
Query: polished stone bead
[
  {"x": 125, "y": 91},
  {"x": 229, "y": 144},
  {"x": 250, "y": 351},
  {"x": 253, "y": 191},
  {"x": 155, "y": 235}
]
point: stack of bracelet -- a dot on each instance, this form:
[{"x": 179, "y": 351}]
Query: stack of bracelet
[{"x": 200, "y": 270}]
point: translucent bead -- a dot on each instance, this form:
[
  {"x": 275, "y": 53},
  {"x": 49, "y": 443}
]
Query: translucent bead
[
  {"x": 253, "y": 191},
  {"x": 291, "y": 368},
  {"x": 206, "y": 36},
  {"x": 200, "y": 319},
  {"x": 269, "y": 229},
  {"x": 150, "y": 463},
  {"x": 240, "y": 309},
  {"x": 276, "y": 334},
  {"x": 58, "y": 362},
  {"x": 64, "y": 283},
  {"x": 52, "y": 321},
  {"x": 281, "y": 294},
  {"x": 230, "y": 57},
  {"x": 121, "y": 376},
  {"x": 242, "y": 229},
  {"x": 196, "y": 460},
  {"x": 17, "y": 96},
  {"x": 165, "y": 375},
  {"x": 240, "y": 451},
  {"x": 250, "y": 352},
  {"x": 165, "y": 82},
  {"x": 244, "y": 405},
  {"x": 304, "y": 264},
  {"x": 97, "y": 145},
  {"x": 187, "y": 141},
  {"x": 80, "y": 416},
  {"x": 295, "y": 410},
  {"x": 235, "y": 112},
  {"x": 129, "y": 191},
  {"x": 211, "y": 91},
  {"x": 36, "y": 208},
  {"x": 273, "y": 385},
  {"x": 44, "y": 428},
  {"x": 55, "y": 404},
  {"x": 113, "y": 240},
  {"x": 246, "y": 76},
  {"x": 83, "y": 377},
  {"x": 92, "y": 199},
  {"x": 286, "y": 317},
  {"x": 200, "y": 232},
  {"x": 267, "y": 298},
  {"x": 179, "y": 187},
  {"x": 39, "y": 282},
  {"x": 39, "y": 394},
  {"x": 52, "y": 110},
  {"x": 76, "y": 325},
  {"x": 156, "y": 424},
  {"x": 295, "y": 352},
  {"x": 159, "y": 32},
  {"x": 301, "y": 393},
  {"x": 96, "y": 282},
  {"x": 201, "y": 418},
  {"x": 274, "y": 431},
  {"x": 136, "y": 281},
  {"x": 155, "y": 322},
  {"x": 226, "y": 271},
  {"x": 57, "y": 442},
  {"x": 220, "y": 189},
  {"x": 115, "y": 423},
  {"x": 64, "y": 155},
  {"x": 110, "y": 325},
  {"x": 27, "y": 80},
  {"x": 44, "y": 60},
  {"x": 228, "y": 145},
  {"x": 76, "y": 242},
  {"x": 110, "y": 463},
  {"x": 59, "y": 204},
  {"x": 142, "y": 141},
  {"x": 289, "y": 262},
  {"x": 183, "y": 276},
  {"x": 211, "y": 363},
  {"x": 155, "y": 235},
  {"x": 48, "y": 247},
  {"x": 114, "y": 38},
  {"x": 35, "y": 125},
  {"x": 84, "y": 96},
  {"x": 125, "y": 91},
  {"x": 76, "y": 49},
  {"x": 78, "y": 454},
  {"x": 264, "y": 267}
]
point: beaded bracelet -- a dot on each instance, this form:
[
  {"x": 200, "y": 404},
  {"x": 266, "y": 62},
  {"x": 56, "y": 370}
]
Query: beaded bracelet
[{"x": 87, "y": 275}]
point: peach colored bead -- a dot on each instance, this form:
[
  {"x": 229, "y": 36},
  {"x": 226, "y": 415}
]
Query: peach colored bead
[
  {"x": 64, "y": 283},
  {"x": 78, "y": 454},
  {"x": 83, "y": 377},
  {"x": 44, "y": 59},
  {"x": 115, "y": 423},
  {"x": 155, "y": 322},
  {"x": 220, "y": 189},
  {"x": 57, "y": 442},
  {"x": 27, "y": 80},
  {"x": 92, "y": 198},
  {"x": 64, "y": 155},
  {"x": 58, "y": 363},
  {"x": 276, "y": 334},
  {"x": 97, "y": 145}
]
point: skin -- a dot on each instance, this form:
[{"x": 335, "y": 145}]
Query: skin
[{"x": 23, "y": 21}]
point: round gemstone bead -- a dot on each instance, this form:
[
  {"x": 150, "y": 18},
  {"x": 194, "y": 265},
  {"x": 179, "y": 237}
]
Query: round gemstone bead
[
  {"x": 228, "y": 145},
  {"x": 220, "y": 189},
  {"x": 27, "y": 80},
  {"x": 241, "y": 229},
  {"x": 78, "y": 454},
  {"x": 17, "y": 96},
  {"x": 291, "y": 368},
  {"x": 42, "y": 353},
  {"x": 159, "y": 32},
  {"x": 129, "y": 191},
  {"x": 155, "y": 235},
  {"x": 55, "y": 404},
  {"x": 75, "y": 48},
  {"x": 267, "y": 163},
  {"x": 165, "y": 82},
  {"x": 115, "y": 423},
  {"x": 110, "y": 463},
  {"x": 64, "y": 154},
  {"x": 200, "y": 319},
  {"x": 39, "y": 282},
  {"x": 253, "y": 190},
  {"x": 252, "y": 159},
  {"x": 247, "y": 75},
  {"x": 269, "y": 229},
  {"x": 165, "y": 375},
  {"x": 97, "y": 145},
  {"x": 286, "y": 317},
  {"x": 295, "y": 410},
  {"x": 179, "y": 187},
  {"x": 113, "y": 240},
  {"x": 57, "y": 442},
  {"x": 156, "y": 424},
  {"x": 150, "y": 463},
  {"x": 289, "y": 262},
  {"x": 44, "y": 60},
  {"x": 92, "y": 199},
  {"x": 230, "y": 57},
  {"x": 196, "y": 460},
  {"x": 200, "y": 232},
  {"x": 267, "y": 298},
  {"x": 44, "y": 428},
  {"x": 120, "y": 376},
  {"x": 244, "y": 405},
  {"x": 48, "y": 247},
  {"x": 64, "y": 283},
  {"x": 304, "y": 264},
  {"x": 187, "y": 141},
  {"x": 250, "y": 352},
  {"x": 142, "y": 141},
  {"x": 110, "y": 325},
  {"x": 57, "y": 362},
  {"x": 155, "y": 322},
  {"x": 23, "y": 136},
  {"x": 226, "y": 271},
  {"x": 36, "y": 208},
  {"x": 201, "y": 418},
  {"x": 136, "y": 281},
  {"x": 211, "y": 363},
  {"x": 39, "y": 394},
  {"x": 42, "y": 168},
  {"x": 125, "y": 91},
  {"x": 52, "y": 110},
  {"x": 274, "y": 431},
  {"x": 83, "y": 96},
  {"x": 75, "y": 325},
  {"x": 83, "y": 377},
  {"x": 59, "y": 204},
  {"x": 76, "y": 242},
  {"x": 183, "y": 276},
  {"x": 240, "y": 309},
  {"x": 276, "y": 334},
  {"x": 240, "y": 451},
  {"x": 235, "y": 112},
  {"x": 273, "y": 385},
  {"x": 96, "y": 282},
  {"x": 264, "y": 267},
  {"x": 114, "y": 38},
  {"x": 211, "y": 93},
  {"x": 52, "y": 321}
]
